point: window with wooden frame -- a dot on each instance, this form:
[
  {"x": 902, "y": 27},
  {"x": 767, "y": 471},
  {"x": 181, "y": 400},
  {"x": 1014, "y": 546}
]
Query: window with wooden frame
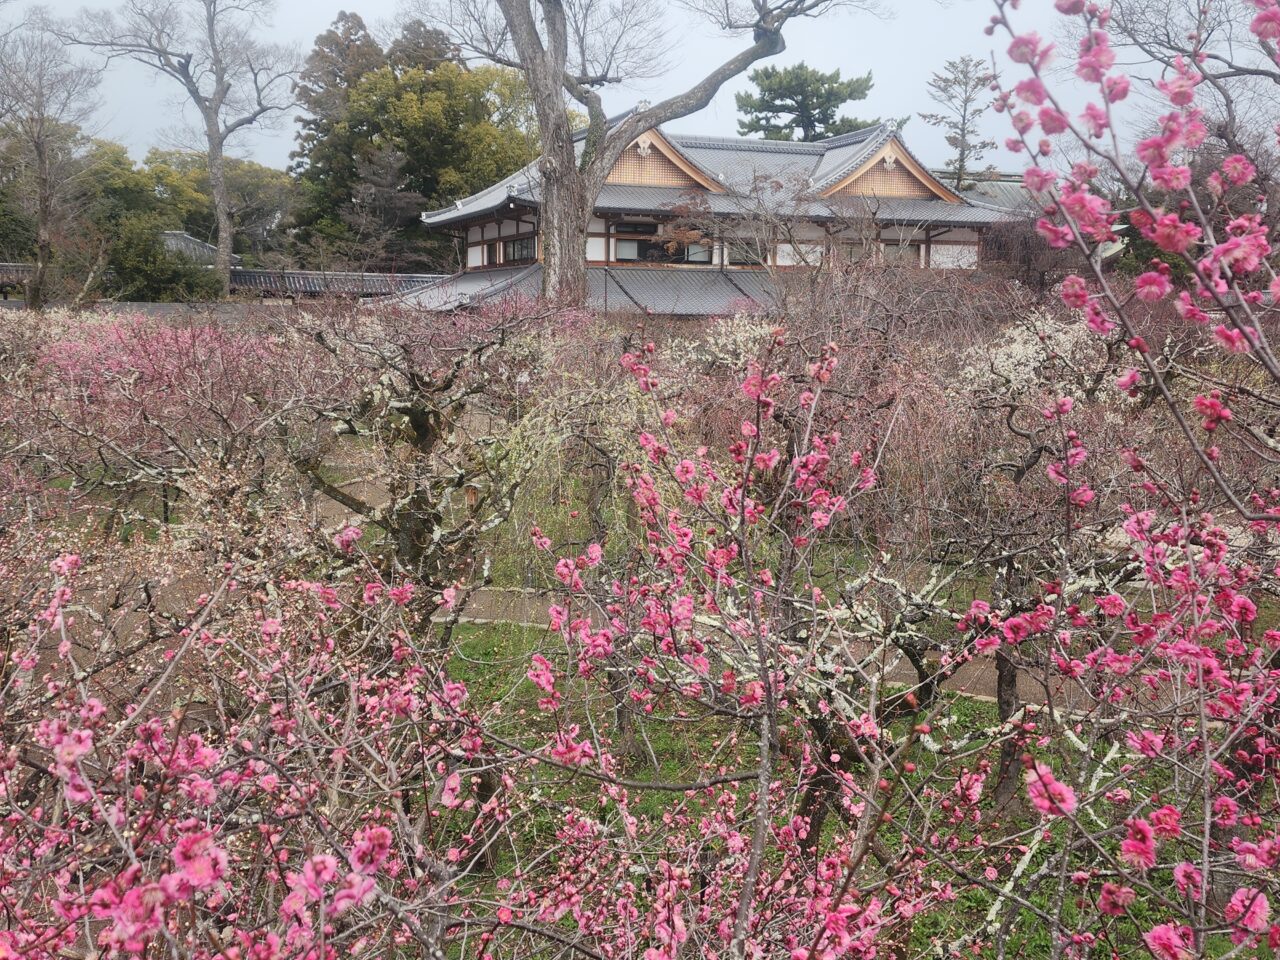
[
  {"x": 697, "y": 253},
  {"x": 642, "y": 243},
  {"x": 745, "y": 252},
  {"x": 902, "y": 252},
  {"x": 519, "y": 250},
  {"x": 632, "y": 229}
]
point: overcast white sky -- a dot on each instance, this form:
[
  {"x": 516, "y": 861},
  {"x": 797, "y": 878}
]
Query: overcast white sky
[{"x": 141, "y": 110}]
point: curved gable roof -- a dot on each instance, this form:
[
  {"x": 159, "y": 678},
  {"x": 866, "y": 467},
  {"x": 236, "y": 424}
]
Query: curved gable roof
[
  {"x": 729, "y": 167},
  {"x": 892, "y": 151}
]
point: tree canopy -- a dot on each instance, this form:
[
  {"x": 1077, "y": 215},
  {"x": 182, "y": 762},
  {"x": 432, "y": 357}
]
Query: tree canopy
[
  {"x": 800, "y": 103},
  {"x": 391, "y": 131},
  {"x": 260, "y": 199},
  {"x": 960, "y": 88}
]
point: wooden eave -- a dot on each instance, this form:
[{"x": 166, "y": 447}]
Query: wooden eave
[
  {"x": 900, "y": 155},
  {"x": 523, "y": 209},
  {"x": 664, "y": 147}
]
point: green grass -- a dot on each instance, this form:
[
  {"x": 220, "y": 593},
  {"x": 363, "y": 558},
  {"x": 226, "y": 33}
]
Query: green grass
[
  {"x": 550, "y": 505},
  {"x": 492, "y": 660}
]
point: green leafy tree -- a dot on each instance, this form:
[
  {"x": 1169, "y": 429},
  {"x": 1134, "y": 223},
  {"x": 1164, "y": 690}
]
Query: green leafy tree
[
  {"x": 260, "y": 199},
  {"x": 115, "y": 249},
  {"x": 391, "y": 132},
  {"x": 324, "y": 162},
  {"x": 418, "y": 137},
  {"x": 110, "y": 217},
  {"x": 143, "y": 269},
  {"x": 437, "y": 134},
  {"x": 445, "y": 122},
  {"x": 800, "y": 103},
  {"x": 110, "y": 187},
  {"x": 962, "y": 89}
]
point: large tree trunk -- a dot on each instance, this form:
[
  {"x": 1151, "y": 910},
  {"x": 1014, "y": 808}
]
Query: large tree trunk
[
  {"x": 567, "y": 200},
  {"x": 221, "y": 208},
  {"x": 1008, "y": 703},
  {"x": 569, "y": 184},
  {"x": 38, "y": 284}
]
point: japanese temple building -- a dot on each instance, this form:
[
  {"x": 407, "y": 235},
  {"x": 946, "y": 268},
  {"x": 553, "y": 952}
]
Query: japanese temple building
[{"x": 691, "y": 224}]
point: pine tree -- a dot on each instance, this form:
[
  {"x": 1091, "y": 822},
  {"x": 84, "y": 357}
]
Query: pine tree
[
  {"x": 799, "y": 102},
  {"x": 325, "y": 160},
  {"x": 962, "y": 90},
  {"x": 421, "y": 46}
]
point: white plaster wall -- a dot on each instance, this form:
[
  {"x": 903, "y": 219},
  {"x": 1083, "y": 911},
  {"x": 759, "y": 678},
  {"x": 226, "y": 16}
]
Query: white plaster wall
[
  {"x": 960, "y": 256},
  {"x": 790, "y": 254},
  {"x": 475, "y": 257},
  {"x": 597, "y": 248}
]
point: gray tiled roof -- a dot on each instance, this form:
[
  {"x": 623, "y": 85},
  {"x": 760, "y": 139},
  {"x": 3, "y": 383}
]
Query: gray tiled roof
[
  {"x": 679, "y": 291},
  {"x": 197, "y": 251},
  {"x": 328, "y": 283},
  {"x": 739, "y": 163},
  {"x": 292, "y": 282},
  {"x": 625, "y": 198},
  {"x": 773, "y": 174},
  {"x": 759, "y": 177},
  {"x": 619, "y": 198},
  {"x": 845, "y": 153},
  {"x": 686, "y": 291},
  {"x": 521, "y": 186},
  {"x": 1003, "y": 194},
  {"x": 920, "y": 212},
  {"x": 465, "y": 289}
]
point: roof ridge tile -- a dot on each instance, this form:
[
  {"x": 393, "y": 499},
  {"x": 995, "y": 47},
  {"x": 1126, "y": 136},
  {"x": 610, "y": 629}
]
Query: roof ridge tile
[{"x": 745, "y": 143}]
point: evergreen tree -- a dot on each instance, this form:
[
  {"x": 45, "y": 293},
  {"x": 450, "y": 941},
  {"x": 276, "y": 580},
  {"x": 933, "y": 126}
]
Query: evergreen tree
[
  {"x": 325, "y": 160},
  {"x": 962, "y": 90},
  {"x": 432, "y": 136},
  {"x": 421, "y": 46},
  {"x": 391, "y": 133},
  {"x": 800, "y": 103},
  {"x": 142, "y": 268}
]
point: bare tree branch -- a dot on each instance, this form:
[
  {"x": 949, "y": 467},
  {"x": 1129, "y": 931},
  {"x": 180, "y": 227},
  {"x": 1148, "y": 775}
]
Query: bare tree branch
[
  {"x": 574, "y": 48},
  {"x": 211, "y": 49}
]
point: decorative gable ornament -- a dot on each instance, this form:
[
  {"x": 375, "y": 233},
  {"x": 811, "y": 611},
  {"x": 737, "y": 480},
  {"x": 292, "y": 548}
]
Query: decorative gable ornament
[
  {"x": 891, "y": 171},
  {"x": 651, "y": 161}
]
